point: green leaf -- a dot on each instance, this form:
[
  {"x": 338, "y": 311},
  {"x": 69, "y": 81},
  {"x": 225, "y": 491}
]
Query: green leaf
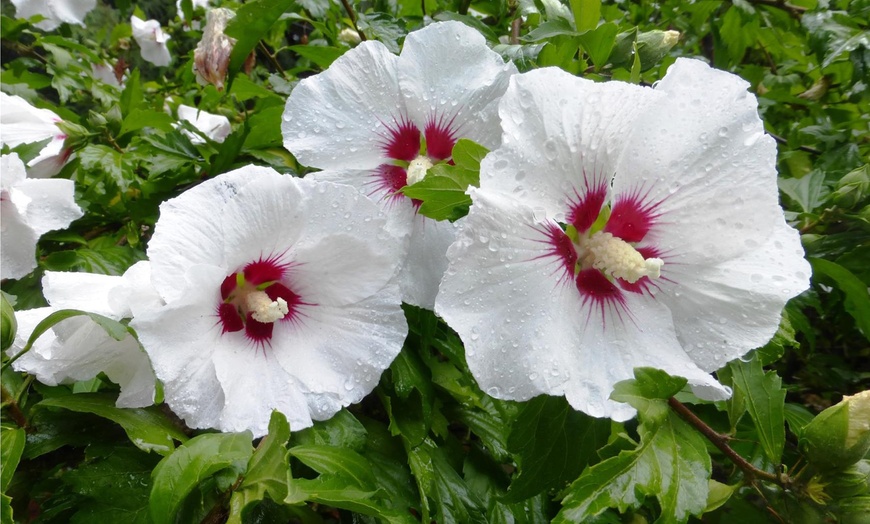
[
  {"x": 12, "y": 442},
  {"x": 550, "y": 29},
  {"x": 104, "y": 159},
  {"x": 339, "y": 492},
  {"x": 329, "y": 460},
  {"x": 116, "y": 486},
  {"x": 857, "y": 301},
  {"x": 132, "y": 96},
  {"x": 252, "y": 21},
  {"x": 765, "y": 399},
  {"x": 467, "y": 155},
  {"x": 147, "y": 428},
  {"x": 141, "y": 118},
  {"x": 180, "y": 473},
  {"x": 323, "y": 56},
  {"x": 644, "y": 392},
  {"x": 586, "y": 13},
  {"x": 267, "y": 470},
  {"x": 719, "y": 494},
  {"x": 342, "y": 430},
  {"x": 671, "y": 463},
  {"x": 437, "y": 480},
  {"x": 598, "y": 43},
  {"x": 552, "y": 443},
  {"x": 809, "y": 191}
]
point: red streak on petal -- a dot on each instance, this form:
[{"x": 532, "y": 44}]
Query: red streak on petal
[
  {"x": 230, "y": 319},
  {"x": 559, "y": 246},
  {"x": 440, "y": 138},
  {"x": 403, "y": 142},
  {"x": 228, "y": 286},
  {"x": 264, "y": 270},
  {"x": 258, "y": 332},
  {"x": 595, "y": 288},
  {"x": 632, "y": 217},
  {"x": 586, "y": 207}
]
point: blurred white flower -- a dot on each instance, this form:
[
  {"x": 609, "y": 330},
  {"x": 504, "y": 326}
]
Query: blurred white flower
[
  {"x": 215, "y": 127},
  {"x": 77, "y": 348},
  {"x": 618, "y": 227},
  {"x": 21, "y": 123},
  {"x": 374, "y": 119},
  {"x": 281, "y": 297},
  {"x": 152, "y": 41},
  {"x": 106, "y": 74},
  {"x": 29, "y": 207},
  {"x": 54, "y": 11}
]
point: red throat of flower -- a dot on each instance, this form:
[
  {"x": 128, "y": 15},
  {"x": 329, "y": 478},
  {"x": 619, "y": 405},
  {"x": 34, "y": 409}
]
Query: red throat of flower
[
  {"x": 257, "y": 297},
  {"x": 412, "y": 152}
]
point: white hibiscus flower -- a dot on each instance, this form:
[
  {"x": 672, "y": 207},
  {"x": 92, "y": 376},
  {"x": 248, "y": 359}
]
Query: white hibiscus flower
[
  {"x": 617, "y": 227},
  {"x": 55, "y": 12},
  {"x": 21, "y": 123},
  {"x": 378, "y": 121},
  {"x": 152, "y": 41},
  {"x": 279, "y": 296},
  {"x": 215, "y": 127},
  {"x": 29, "y": 208},
  {"x": 77, "y": 348}
]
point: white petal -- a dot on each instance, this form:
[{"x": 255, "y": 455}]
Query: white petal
[
  {"x": 701, "y": 150},
  {"x": 71, "y": 11},
  {"x": 84, "y": 291},
  {"x": 215, "y": 127},
  {"x": 562, "y": 137},
  {"x": 722, "y": 311},
  {"x": 338, "y": 119},
  {"x": 333, "y": 236},
  {"x": 21, "y": 123},
  {"x": 426, "y": 261},
  {"x": 527, "y": 332},
  {"x": 191, "y": 229},
  {"x": 181, "y": 339},
  {"x": 337, "y": 354},
  {"x": 151, "y": 40},
  {"x": 136, "y": 293},
  {"x": 52, "y": 204},
  {"x": 447, "y": 69},
  {"x": 78, "y": 349},
  {"x": 17, "y": 244}
]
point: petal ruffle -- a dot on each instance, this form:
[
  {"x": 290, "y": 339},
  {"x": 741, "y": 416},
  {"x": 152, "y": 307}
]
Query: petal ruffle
[{"x": 338, "y": 118}]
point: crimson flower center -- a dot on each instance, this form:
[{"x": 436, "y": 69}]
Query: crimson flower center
[{"x": 256, "y": 298}]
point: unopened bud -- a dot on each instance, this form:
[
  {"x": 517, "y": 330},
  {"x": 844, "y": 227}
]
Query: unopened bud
[
  {"x": 211, "y": 59},
  {"x": 853, "y": 188},
  {"x": 851, "y": 482},
  {"x": 349, "y": 36},
  {"x": 8, "y": 324},
  {"x": 840, "y": 435}
]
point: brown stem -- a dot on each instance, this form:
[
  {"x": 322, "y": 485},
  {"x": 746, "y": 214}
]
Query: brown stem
[
  {"x": 515, "y": 31},
  {"x": 271, "y": 57},
  {"x": 352, "y": 16},
  {"x": 808, "y": 149},
  {"x": 721, "y": 442}
]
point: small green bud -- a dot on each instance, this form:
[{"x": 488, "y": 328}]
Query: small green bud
[
  {"x": 652, "y": 46},
  {"x": 855, "y": 511},
  {"x": 851, "y": 482},
  {"x": 840, "y": 435},
  {"x": 853, "y": 188},
  {"x": 76, "y": 135},
  {"x": 8, "y": 324}
]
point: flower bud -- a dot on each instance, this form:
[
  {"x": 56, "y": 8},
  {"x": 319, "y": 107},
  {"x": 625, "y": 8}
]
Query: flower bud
[
  {"x": 851, "y": 482},
  {"x": 840, "y": 435},
  {"x": 349, "y": 36},
  {"x": 8, "y": 324},
  {"x": 212, "y": 55},
  {"x": 853, "y": 188}
]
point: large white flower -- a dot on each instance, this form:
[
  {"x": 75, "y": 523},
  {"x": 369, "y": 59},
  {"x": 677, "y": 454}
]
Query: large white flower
[
  {"x": 620, "y": 226},
  {"x": 215, "y": 127},
  {"x": 152, "y": 41},
  {"x": 21, "y": 123},
  {"x": 77, "y": 348},
  {"x": 378, "y": 121},
  {"x": 54, "y": 11},
  {"x": 279, "y": 296},
  {"x": 29, "y": 208}
]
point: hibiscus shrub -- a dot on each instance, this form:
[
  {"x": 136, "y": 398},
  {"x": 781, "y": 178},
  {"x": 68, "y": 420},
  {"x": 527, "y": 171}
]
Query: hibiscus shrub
[{"x": 438, "y": 261}]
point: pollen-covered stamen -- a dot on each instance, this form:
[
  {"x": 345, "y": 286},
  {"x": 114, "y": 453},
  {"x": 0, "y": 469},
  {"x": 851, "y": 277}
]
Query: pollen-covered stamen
[
  {"x": 417, "y": 169},
  {"x": 264, "y": 309},
  {"x": 617, "y": 258}
]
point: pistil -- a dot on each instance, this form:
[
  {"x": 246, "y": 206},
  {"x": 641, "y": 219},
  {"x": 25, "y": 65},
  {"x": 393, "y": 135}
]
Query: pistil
[{"x": 617, "y": 258}]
